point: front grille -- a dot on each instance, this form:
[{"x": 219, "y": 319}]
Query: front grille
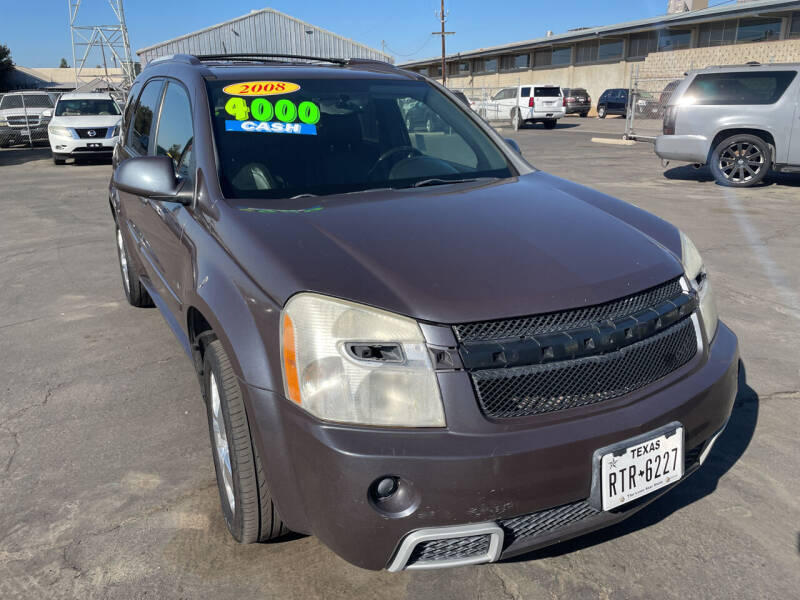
[
  {"x": 537, "y": 389},
  {"x": 98, "y": 133},
  {"x": 543, "y": 521},
  {"x": 23, "y": 121},
  {"x": 450, "y": 549},
  {"x": 569, "y": 319}
]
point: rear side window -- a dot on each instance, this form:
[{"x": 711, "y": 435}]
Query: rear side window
[
  {"x": 175, "y": 131},
  {"x": 764, "y": 87},
  {"x": 546, "y": 92},
  {"x": 525, "y": 92},
  {"x": 143, "y": 116}
]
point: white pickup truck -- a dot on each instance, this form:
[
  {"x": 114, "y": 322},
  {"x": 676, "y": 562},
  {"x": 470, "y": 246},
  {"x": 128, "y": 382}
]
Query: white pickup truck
[{"x": 523, "y": 104}]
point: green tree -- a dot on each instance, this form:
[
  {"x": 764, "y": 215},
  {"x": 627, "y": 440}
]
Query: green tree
[
  {"x": 64, "y": 64},
  {"x": 5, "y": 59}
]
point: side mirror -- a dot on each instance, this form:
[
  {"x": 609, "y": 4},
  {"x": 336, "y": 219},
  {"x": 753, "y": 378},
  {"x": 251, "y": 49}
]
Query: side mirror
[
  {"x": 514, "y": 146},
  {"x": 47, "y": 112},
  {"x": 152, "y": 177}
]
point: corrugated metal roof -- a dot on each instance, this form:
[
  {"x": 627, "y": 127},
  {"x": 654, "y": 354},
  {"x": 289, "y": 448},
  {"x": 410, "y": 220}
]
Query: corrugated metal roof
[
  {"x": 685, "y": 18},
  {"x": 266, "y": 30}
]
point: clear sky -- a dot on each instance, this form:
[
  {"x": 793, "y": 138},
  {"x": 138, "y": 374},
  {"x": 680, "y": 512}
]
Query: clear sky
[{"x": 37, "y": 31}]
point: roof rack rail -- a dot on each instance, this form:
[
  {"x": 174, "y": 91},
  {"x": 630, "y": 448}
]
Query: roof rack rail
[
  {"x": 184, "y": 58},
  {"x": 265, "y": 57}
]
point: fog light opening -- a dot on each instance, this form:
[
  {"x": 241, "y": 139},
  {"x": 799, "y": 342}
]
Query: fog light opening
[
  {"x": 393, "y": 496},
  {"x": 385, "y": 488}
]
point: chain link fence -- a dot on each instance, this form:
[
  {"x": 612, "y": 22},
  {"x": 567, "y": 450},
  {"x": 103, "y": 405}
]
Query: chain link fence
[
  {"x": 648, "y": 97},
  {"x": 488, "y": 102},
  {"x": 24, "y": 118}
]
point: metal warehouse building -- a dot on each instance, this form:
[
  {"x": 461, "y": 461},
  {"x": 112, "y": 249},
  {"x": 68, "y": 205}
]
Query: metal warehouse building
[
  {"x": 263, "y": 31},
  {"x": 691, "y": 36}
]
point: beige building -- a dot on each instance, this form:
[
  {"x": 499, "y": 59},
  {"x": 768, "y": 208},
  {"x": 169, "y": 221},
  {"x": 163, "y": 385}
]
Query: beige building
[{"x": 607, "y": 57}]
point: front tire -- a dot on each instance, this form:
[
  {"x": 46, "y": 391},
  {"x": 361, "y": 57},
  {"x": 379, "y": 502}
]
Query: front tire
[
  {"x": 741, "y": 161},
  {"x": 549, "y": 124},
  {"x": 135, "y": 292},
  {"x": 601, "y": 112},
  {"x": 247, "y": 504}
]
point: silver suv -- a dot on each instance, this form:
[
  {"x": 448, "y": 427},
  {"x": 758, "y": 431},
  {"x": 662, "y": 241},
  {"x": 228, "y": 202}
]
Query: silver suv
[{"x": 739, "y": 120}]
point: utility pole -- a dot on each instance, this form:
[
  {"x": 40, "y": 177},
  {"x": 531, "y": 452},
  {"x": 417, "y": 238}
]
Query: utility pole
[{"x": 442, "y": 16}]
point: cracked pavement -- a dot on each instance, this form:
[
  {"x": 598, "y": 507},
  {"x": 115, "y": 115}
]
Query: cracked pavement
[{"x": 108, "y": 490}]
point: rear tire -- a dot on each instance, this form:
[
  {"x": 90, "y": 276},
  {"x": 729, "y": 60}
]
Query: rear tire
[
  {"x": 59, "y": 161},
  {"x": 247, "y": 504},
  {"x": 741, "y": 161},
  {"x": 584, "y": 115},
  {"x": 601, "y": 112},
  {"x": 135, "y": 292},
  {"x": 549, "y": 123}
]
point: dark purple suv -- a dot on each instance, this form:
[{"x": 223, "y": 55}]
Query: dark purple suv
[{"x": 411, "y": 344}]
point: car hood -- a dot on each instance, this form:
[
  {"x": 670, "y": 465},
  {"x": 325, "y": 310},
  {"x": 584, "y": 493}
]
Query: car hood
[
  {"x": 20, "y": 112},
  {"x": 88, "y": 121},
  {"x": 456, "y": 253}
]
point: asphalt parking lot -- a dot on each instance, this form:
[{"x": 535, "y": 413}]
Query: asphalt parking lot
[{"x": 108, "y": 489}]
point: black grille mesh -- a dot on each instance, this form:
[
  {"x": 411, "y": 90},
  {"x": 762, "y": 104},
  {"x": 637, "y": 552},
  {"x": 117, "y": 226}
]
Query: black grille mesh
[
  {"x": 569, "y": 319},
  {"x": 546, "y": 520},
  {"x": 98, "y": 133},
  {"x": 537, "y": 389},
  {"x": 449, "y": 549}
]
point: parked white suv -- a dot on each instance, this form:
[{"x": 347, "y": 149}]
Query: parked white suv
[
  {"x": 23, "y": 117},
  {"x": 84, "y": 125},
  {"x": 529, "y": 103}
]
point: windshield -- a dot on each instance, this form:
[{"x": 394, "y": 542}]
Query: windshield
[
  {"x": 329, "y": 136},
  {"x": 31, "y": 101},
  {"x": 85, "y": 108}
]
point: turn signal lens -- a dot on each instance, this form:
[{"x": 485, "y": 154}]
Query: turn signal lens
[{"x": 290, "y": 360}]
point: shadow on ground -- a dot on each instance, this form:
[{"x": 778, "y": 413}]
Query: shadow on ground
[
  {"x": 729, "y": 448},
  {"x": 18, "y": 156},
  {"x": 703, "y": 174}
]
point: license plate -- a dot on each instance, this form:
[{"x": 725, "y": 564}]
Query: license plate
[
  {"x": 640, "y": 467},
  {"x": 93, "y": 146},
  {"x": 25, "y": 131}
]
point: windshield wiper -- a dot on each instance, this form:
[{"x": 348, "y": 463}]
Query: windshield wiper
[
  {"x": 437, "y": 181},
  {"x": 306, "y": 195}
]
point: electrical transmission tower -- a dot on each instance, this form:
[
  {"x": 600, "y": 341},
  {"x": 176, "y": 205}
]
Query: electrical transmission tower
[{"x": 112, "y": 38}]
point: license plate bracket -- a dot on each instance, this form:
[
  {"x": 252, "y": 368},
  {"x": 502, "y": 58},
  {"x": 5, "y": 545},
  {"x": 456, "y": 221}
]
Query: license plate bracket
[{"x": 601, "y": 496}]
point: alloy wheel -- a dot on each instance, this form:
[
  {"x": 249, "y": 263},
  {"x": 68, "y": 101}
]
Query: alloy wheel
[
  {"x": 741, "y": 162},
  {"x": 123, "y": 262},
  {"x": 221, "y": 442}
]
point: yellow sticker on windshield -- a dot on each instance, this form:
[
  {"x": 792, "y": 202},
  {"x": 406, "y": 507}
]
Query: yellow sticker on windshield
[{"x": 260, "y": 88}]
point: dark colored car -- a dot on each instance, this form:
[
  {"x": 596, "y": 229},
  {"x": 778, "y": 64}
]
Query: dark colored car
[
  {"x": 577, "y": 100},
  {"x": 399, "y": 350},
  {"x": 461, "y": 96},
  {"x": 613, "y": 102}
]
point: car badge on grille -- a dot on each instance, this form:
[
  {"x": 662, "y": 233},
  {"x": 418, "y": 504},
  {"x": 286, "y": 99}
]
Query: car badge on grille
[{"x": 91, "y": 133}]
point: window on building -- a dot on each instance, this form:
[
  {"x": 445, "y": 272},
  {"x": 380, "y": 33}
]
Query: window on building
[
  {"x": 515, "y": 61},
  {"x": 759, "y": 87},
  {"x": 553, "y": 57},
  {"x": 758, "y": 30},
  {"x": 562, "y": 56},
  {"x": 610, "y": 49},
  {"x": 423, "y": 71},
  {"x": 486, "y": 65},
  {"x": 716, "y": 34},
  {"x": 586, "y": 52},
  {"x": 674, "y": 39},
  {"x": 794, "y": 26},
  {"x": 642, "y": 44},
  {"x": 460, "y": 68}
]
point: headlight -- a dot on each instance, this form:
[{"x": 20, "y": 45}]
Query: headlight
[
  {"x": 58, "y": 130},
  {"x": 351, "y": 363},
  {"x": 696, "y": 273},
  {"x": 115, "y": 133},
  {"x": 3, "y": 121}
]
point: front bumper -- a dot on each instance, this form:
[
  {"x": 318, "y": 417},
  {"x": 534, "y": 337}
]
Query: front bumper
[
  {"x": 66, "y": 147},
  {"x": 686, "y": 148},
  {"x": 18, "y": 135},
  {"x": 488, "y": 472}
]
